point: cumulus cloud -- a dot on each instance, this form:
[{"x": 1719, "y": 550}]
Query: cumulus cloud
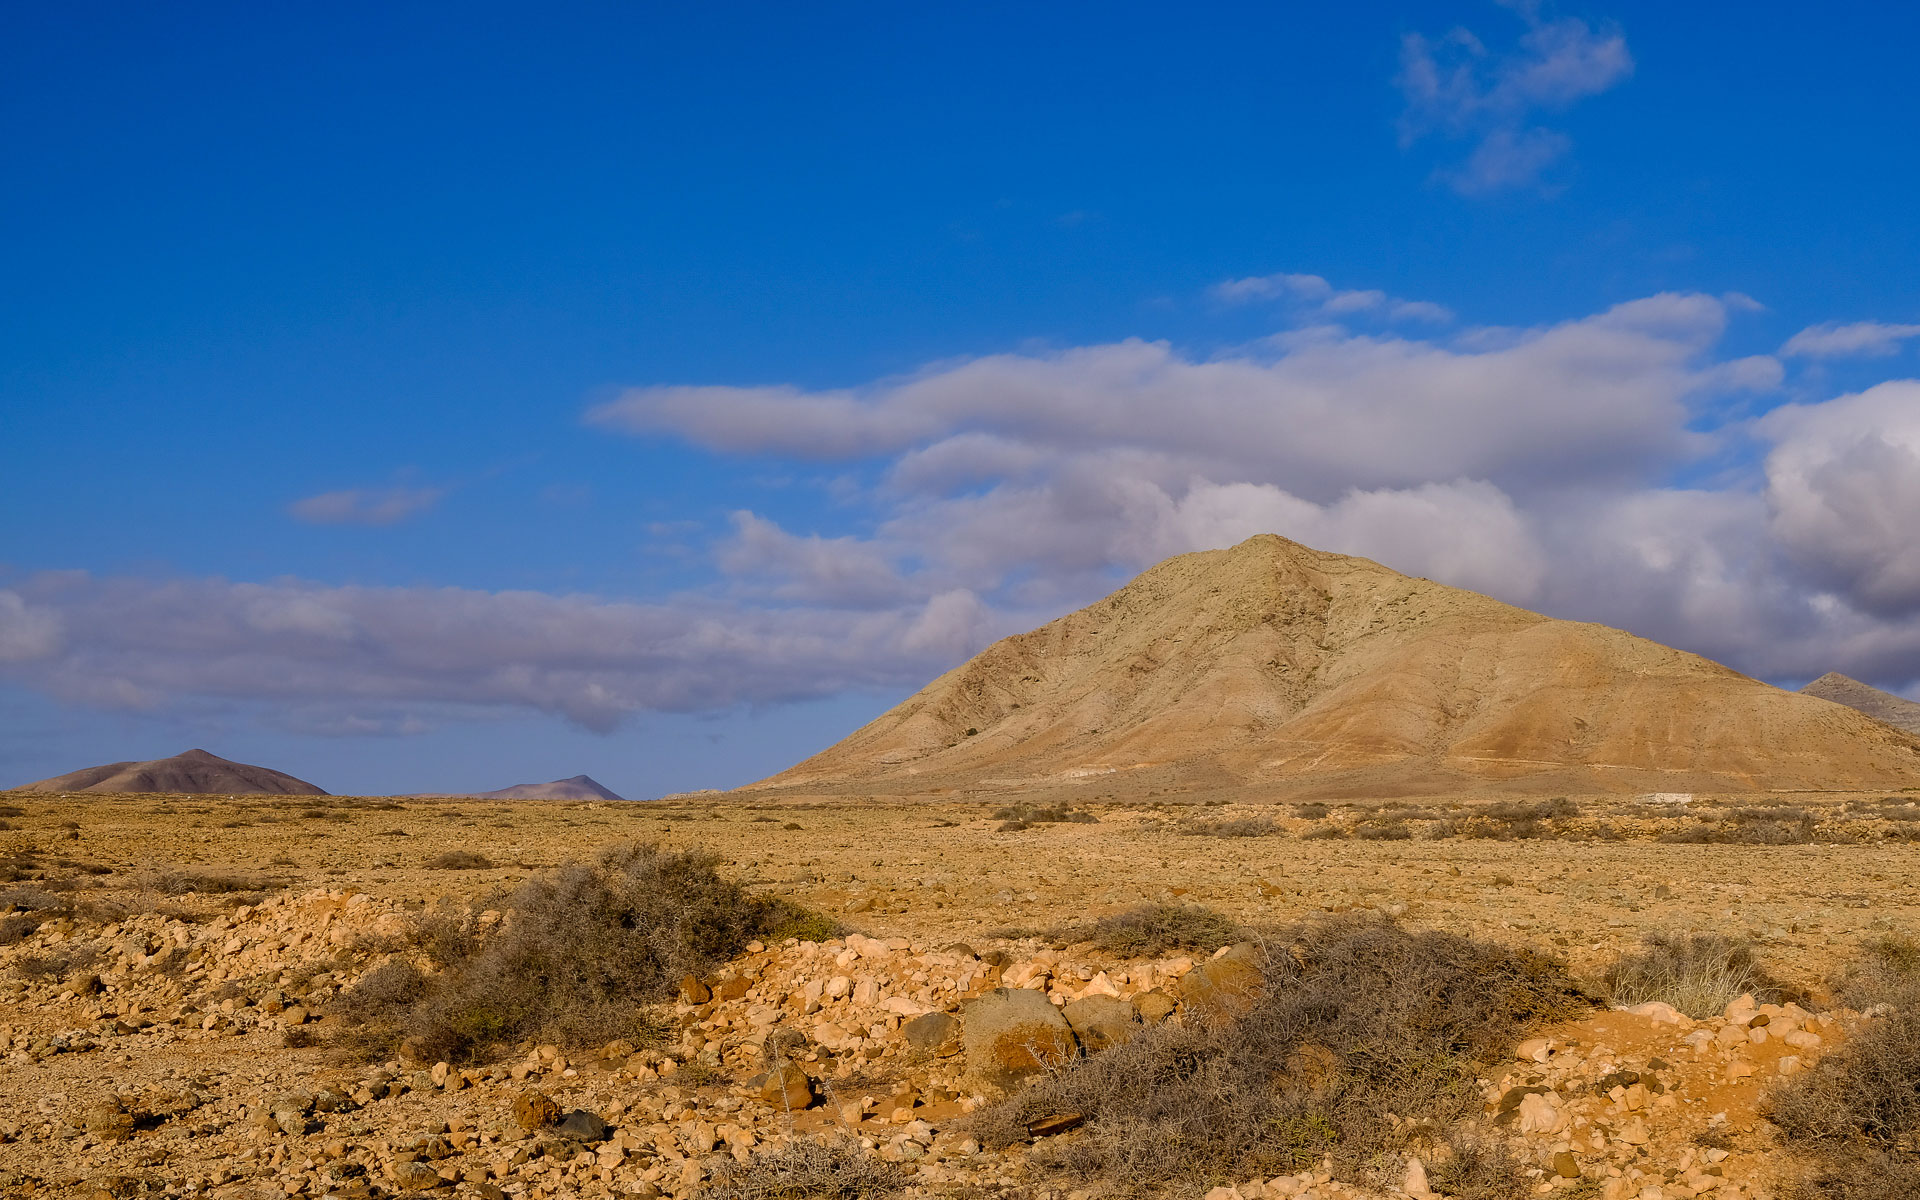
[
  {"x": 1843, "y": 482},
  {"x": 1535, "y": 464},
  {"x": 1861, "y": 339},
  {"x": 365, "y": 506},
  {"x": 1458, "y": 88}
]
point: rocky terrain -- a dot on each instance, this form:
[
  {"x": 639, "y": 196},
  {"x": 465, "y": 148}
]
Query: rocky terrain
[
  {"x": 1297, "y": 672},
  {"x": 170, "y": 1018}
]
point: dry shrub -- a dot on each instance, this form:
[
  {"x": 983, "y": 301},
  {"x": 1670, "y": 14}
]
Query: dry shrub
[
  {"x": 1887, "y": 972},
  {"x": 1748, "y": 827},
  {"x": 459, "y": 860},
  {"x": 1324, "y": 833},
  {"x": 1156, "y": 930},
  {"x": 1025, "y": 816},
  {"x": 834, "y": 1170},
  {"x": 1360, "y": 1019},
  {"x": 583, "y": 949},
  {"x": 205, "y": 883},
  {"x": 12, "y": 810},
  {"x": 1699, "y": 974},
  {"x": 1854, "y": 1117},
  {"x": 1236, "y": 827},
  {"x": 1391, "y": 830}
]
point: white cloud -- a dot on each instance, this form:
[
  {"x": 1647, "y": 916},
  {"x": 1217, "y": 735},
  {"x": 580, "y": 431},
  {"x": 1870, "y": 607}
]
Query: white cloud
[
  {"x": 1530, "y": 463},
  {"x": 27, "y": 632},
  {"x": 1455, "y": 86},
  {"x": 1314, "y": 293},
  {"x": 366, "y": 506},
  {"x": 328, "y": 657},
  {"x": 1843, "y": 482},
  {"x": 1865, "y": 339}
]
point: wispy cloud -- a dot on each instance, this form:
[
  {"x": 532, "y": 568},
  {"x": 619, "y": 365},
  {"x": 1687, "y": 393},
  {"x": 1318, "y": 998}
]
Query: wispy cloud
[
  {"x": 366, "y": 506},
  {"x": 1458, "y": 88},
  {"x": 1861, "y": 339},
  {"x": 1314, "y": 293}
]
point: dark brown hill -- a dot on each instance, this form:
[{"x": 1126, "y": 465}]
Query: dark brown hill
[{"x": 195, "y": 773}]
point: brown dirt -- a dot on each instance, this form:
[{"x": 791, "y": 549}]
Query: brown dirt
[{"x": 926, "y": 873}]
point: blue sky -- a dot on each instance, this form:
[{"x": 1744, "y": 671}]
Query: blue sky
[{"x": 416, "y": 398}]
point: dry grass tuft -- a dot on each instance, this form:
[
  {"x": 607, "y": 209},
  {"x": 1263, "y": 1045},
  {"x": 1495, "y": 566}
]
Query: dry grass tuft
[
  {"x": 459, "y": 860},
  {"x": 836, "y": 1170},
  {"x": 1699, "y": 974},
  {"x": 1360, "y": 1019}
]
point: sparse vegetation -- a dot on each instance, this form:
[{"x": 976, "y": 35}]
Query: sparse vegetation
[
  {"x": 1855, "y": 1116},
  {"x": 1236, "y": 827},
  {"x": 1156, "y": 930},
  {"x": 205, "y": 883},
  {"x": 460, "y": 860},
  {"x": 1023, "y": 816},
  {"x": 1360, "y": 1019},
  {"x": 1699, "y": 974},
  {"x": 806, "y": 1170},
  {"x": 584, "y": 949}
]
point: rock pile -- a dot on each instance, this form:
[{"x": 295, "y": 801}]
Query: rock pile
[{"x": 172, "y": 1059}]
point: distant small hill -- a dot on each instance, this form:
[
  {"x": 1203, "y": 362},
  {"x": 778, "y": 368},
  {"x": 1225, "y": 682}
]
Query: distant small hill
[
  {"x": 1896, "y": 711},
  {"x": 194, "y": 773},
  {"x": 580, "y": 787}
]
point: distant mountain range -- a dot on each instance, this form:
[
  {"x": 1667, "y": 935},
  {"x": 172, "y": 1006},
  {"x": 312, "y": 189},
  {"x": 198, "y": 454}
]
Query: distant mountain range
[
  {"x": 1896, "y": 711},
  {"x": 194, "y": 773}
]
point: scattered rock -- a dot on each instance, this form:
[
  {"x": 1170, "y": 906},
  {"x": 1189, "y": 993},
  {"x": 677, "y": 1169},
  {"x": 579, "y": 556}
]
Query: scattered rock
[
  {"x": 788, "y": 1088},
  {"x": 935, "y": 1033},
  {"x": 535, "y": 1110}
]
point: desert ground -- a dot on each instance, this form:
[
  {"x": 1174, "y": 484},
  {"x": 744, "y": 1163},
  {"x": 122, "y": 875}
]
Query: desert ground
[{"x": 136, "y": 1067}]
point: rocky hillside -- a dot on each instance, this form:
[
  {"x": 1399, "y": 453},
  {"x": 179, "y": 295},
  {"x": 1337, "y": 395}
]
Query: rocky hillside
[
  {"x": 1896, "y": 711},
  {"x": 195, "y": 773},
  {"x": 1272, "y": 663}
]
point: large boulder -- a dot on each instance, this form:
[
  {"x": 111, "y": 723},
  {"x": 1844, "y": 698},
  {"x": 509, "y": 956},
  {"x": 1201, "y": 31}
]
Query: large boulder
[
  {"x": 1223, "y": 988},
  {"x": 787, "y": 1088},
  {"x": 1011, "y": 1033},
  {"x": 1101, "y": 1021}
]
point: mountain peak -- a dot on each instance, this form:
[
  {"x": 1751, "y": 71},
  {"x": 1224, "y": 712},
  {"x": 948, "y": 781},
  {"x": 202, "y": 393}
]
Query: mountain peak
[{"x": 1272, "y": 663}]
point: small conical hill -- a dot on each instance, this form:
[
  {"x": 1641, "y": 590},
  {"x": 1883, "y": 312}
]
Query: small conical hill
[{"x": 1896, "y": 711}]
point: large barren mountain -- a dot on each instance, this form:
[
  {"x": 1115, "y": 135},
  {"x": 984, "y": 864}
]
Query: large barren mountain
[
  {"x": 1274, "y": 664},
  {"x": 194, "y": 773},
  {"x": 1896, "y": 711}
]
